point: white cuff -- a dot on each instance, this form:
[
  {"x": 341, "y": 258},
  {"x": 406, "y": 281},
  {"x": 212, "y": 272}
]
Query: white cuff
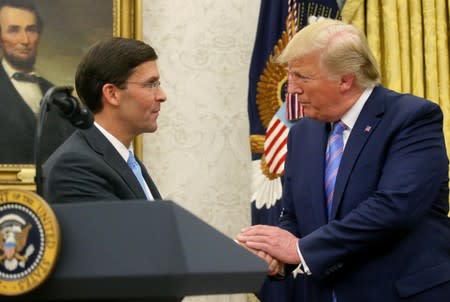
[{"x": 302, "y": 268}]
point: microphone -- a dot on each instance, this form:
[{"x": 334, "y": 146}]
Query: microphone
[{"x": 69, "y": 107}]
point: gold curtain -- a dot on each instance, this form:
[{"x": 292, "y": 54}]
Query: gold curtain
[{"x": 410, "y": 40}]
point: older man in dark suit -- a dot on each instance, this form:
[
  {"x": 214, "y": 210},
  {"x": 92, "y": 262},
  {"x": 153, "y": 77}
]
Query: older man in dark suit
[
  {"x": 22, "y": 89},
  {"x": 365, "y": 197}
]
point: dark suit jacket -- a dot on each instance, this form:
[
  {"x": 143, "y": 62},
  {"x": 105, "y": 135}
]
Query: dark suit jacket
[
  {"x": 88, "y": 168},
  {"x": 18, "y": 125},
  {"x": 389, "y": 238}
]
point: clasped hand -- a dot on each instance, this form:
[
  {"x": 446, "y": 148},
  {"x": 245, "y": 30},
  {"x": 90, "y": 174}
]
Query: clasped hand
[{"x": 272, "y": 244}]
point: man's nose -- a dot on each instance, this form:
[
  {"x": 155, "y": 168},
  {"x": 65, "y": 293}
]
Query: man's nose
[
  {"x": 23, "y": 37},
  {"x": 161, "y": 95},
  {"x": 294, "y": 87}
]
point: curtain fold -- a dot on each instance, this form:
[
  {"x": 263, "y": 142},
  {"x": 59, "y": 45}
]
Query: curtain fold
[{"x": 409, "y": 39}]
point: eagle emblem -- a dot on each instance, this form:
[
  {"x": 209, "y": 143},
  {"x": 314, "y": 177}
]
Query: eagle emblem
[
  {"x": 14, "y": 251},
  {"x": 29, "y": 241}
]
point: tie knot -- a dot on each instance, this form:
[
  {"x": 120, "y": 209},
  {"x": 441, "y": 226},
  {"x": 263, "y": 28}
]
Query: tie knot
[
  {"x": 25, "y": 77},
  {"x": 338, "y": 128}
]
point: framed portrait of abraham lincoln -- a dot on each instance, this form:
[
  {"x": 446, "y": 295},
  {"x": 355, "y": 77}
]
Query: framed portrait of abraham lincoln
[{"x": 41, "y": 44}]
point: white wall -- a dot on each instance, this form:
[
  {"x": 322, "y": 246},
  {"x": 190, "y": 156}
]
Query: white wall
[{"x": 200, "y": 155}]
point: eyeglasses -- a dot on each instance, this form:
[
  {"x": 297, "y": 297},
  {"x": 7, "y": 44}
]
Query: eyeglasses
[{"x": 152, "y": 85}]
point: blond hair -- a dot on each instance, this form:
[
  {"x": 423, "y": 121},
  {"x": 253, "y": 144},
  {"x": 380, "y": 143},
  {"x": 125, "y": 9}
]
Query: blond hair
[{"x": 343, "y": 50}]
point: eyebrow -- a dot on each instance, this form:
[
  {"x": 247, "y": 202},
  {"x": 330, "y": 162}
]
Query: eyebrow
[
  {"x": 152, "y": 79},
  {"x": 17, "y": 27},
  {"x": 13, "y": 27},
  {"x": 298, "y": 72},
  {"x": 31, "y": 26}
]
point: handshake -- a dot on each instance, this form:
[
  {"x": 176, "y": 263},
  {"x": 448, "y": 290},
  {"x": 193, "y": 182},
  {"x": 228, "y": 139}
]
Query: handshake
[{"x": 272, "y": 244}]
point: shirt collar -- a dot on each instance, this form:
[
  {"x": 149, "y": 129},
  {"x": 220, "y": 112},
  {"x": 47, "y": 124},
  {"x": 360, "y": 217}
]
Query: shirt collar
[
  {"x": 121, "y": 148},
  {"x": 350, "y": 117}
]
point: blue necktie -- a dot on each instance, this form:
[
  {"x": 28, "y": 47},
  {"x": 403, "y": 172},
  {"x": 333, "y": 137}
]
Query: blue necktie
[
  {"x": 332, "y": 161},
  {"x": 133, "y": 164}
]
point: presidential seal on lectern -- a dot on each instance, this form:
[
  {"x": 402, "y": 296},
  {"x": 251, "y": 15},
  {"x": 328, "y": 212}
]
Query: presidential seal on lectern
[{"x": 29, "y": 241}]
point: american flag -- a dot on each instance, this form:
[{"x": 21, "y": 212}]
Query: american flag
[
  {"x": 275, "y": 145},
  {"x": 294, "y": 109}
]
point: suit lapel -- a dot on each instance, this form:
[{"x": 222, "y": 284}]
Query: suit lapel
[
  {"x": 102, "y": 146},
  {"x": 44, "y": 85},
  {"x": 315, "y": 159},
  {"x": 365, "y": 125},
  {"x": 150, "y": 183}
]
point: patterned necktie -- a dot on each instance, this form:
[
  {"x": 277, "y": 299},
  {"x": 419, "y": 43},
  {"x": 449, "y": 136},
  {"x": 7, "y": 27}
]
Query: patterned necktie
[
  {"x": 133, "y": 164},
  {"x": 25, "y": 77},
  {"x": 332, "y": 161}
]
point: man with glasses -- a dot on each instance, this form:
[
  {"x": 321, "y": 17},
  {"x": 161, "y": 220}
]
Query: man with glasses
[
  {"x": 118, "y": 80},
  {"x": 22, "y": 88}
]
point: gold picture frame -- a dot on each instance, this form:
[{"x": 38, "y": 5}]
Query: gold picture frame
[{"x": 126, "y": 22}]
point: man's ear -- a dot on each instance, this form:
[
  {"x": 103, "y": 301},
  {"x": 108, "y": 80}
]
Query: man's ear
[
  {"x": 346, "y": 83},
  {"x": 110, "y": 94}
]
